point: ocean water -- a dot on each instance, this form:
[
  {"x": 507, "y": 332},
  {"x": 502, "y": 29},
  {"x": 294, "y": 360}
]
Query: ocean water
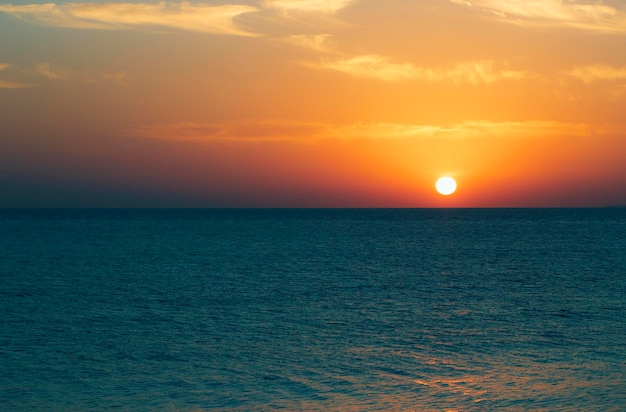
[{"x": 358, "y": 310}]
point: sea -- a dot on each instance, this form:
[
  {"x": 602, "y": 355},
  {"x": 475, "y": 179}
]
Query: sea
[{"x": 313, "y": 309}]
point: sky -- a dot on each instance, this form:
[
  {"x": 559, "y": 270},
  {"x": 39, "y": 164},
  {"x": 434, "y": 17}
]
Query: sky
[{"x": 312, "y": 103}]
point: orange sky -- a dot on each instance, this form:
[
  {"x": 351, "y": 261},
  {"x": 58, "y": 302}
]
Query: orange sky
[{"x": 312, "y": 103}]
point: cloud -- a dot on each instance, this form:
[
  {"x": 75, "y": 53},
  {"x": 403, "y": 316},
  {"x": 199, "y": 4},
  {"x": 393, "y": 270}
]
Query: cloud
[
  {"x": 45, "y": 70},
  {"x": 6, "y": 84},
  {"x": 115, "y": 16},
  {"x": 287, "y": 7},
  {"x": 13, "y": 85},
  {"x": 307, "y": 133},
  {"x": 465, "y": 130},
  {"x": 42, "y": 72},
  {"x": 258, "y": 18},
  {"x": 371, "y": 66},
  {"x": 298, "y": 17},
  {"x": 481, "y": 71},
  {"x": 378, "y": 67},
  {"x": 598, "y": 72},
  {"x": 245, "y": 131},
  {"x": 558, "y": 13},
  {"x": 316, "y": 42}
]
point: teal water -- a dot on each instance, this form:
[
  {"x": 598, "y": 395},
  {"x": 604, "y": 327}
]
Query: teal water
[{"x": 427, "y": 310}]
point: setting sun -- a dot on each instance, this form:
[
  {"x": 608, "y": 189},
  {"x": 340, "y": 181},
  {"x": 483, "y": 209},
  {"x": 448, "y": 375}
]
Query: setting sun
[{"x": 446, "y": 185}]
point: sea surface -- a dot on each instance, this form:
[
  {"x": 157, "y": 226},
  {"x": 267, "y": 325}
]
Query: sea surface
[{"x": 338, "y": 310}]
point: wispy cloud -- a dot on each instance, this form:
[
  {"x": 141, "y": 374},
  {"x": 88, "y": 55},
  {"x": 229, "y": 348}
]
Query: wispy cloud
[
  {"x": 45, "y": 70},
  {"x": 307, "y": 133},
  {"x": 598, "y": 72},
  {"x": 112, "y": 16},
  {"x": 306, "y": 18},
  {"x": 37, "y": 75},
  {"x": 13, "y": 85},
  {"x": 51, "y": 72},
  {"x": 315, "y": 42},
  {"x": 578, "y": 14},
  {"x": 307, "y": 6},
  {"x": 379, "y": 67},
  {"x": 465, "y": 130},
  {"x": 371, "y": 66},
  {"x": 6, "y": 84},
  {"x": 482, "y": 71},
  {"x": 242, "y": 132}
]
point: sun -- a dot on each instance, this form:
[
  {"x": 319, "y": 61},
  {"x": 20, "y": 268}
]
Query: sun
[{"x": 446, "y": 185}]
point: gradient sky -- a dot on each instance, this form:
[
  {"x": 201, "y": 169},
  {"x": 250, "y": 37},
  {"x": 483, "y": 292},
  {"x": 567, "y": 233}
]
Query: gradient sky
[{"x": 312, "y": 103}]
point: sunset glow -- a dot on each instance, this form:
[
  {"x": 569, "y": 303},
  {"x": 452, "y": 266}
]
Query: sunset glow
[{"x": 312, "y": 103}]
